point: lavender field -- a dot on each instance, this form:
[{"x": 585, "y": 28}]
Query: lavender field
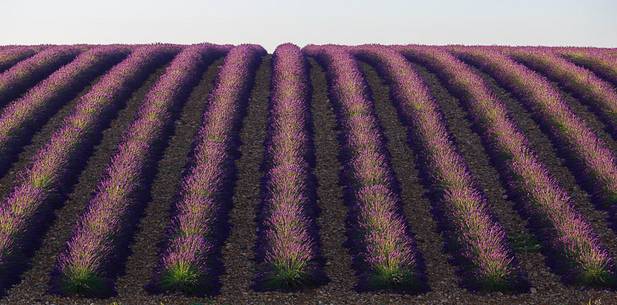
[{"x": 372, "y": 174}]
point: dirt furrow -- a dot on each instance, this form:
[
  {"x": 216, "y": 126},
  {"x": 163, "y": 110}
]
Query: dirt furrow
[
  {"x": 239, "y": 249},
  {"x": 333, "y": 212}
]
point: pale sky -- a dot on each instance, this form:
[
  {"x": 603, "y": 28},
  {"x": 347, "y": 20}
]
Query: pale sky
[{"x": 269, "y": 22}]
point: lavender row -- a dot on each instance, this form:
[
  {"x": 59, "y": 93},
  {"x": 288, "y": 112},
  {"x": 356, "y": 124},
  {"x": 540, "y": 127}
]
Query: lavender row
[
  {"x": 192, "y": 241},
  {"x": 574, "y": 236},
  {"x": 597, "y": 159},
  {"x": 601, "y": 95},
  {"x": 15, "y": 80},
  {"x": 86, "y": 258},
  {"x": 385, "y": 246},
  {"x": 290, "y": 249},
  {"x": 482, "y": 238},
  {"x": 26, "y": 203},
  {"x": 22, "y": 115},
  {"x": 9, "y": 57},
  {"x": 597, "y": 60}
]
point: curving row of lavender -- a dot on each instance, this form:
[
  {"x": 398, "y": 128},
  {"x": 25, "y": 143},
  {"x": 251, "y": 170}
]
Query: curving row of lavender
[
  {"x": 482, "y": 238},
  {"x": 574, "y": 236},
  {"x": 192, "y": 241},
  {"x": 600, "y": 94},
  {"x": 27, "y": 203},
  {"x": 596, "y": 60},
  {"x": 18, "y": 78},
  {"x": 11, "y": 56},
  {"x": 26, "y": 113},
  {"x": 290, "y": 249},
  {"x": 386, "y": 248},
  {"x": 598, "y": 161},
  {"x": 86, "y": 260}
]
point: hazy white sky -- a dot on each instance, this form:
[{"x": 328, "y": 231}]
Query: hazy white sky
[{"x": 270, "y": 22}]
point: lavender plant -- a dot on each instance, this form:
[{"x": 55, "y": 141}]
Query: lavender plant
[
  {"x": 45, "y": 173},
  {"x": 601, "y": 95},
  {"x": 573, "y": 234},
  {"x": 94, "y": 240},
  {"x": 184, "y": 261},
  {"x": 597, "y": 60},
  {"x": 387, "y": 249},
  {"x": 16, "y": 79},
  {"x": 290, "y": 249},
  {"x": 19, "y": 116},
  {"x": 597, "y": 159},
  {"x": 11, "y": 56},
  {"x": 482, "y": 238}
]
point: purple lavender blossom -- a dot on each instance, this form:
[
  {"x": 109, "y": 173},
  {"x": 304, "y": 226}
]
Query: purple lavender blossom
[
  {"x": 601, "y": 95},
  {"x": 483, "y": 239},
  {"x": 290, "y": 247},
  {"x": 48, "y": 166},
  {"x": 93, "y": 241},
  {"x": 387, "y": 249},
  {"x": 597, "y": 60},
  {"x": 11, "y": 56},
  {"x": 20, "y": 114},
  {"x": 21, "y": 75},
  {"x": 590, "y": 150},
  {"x": 183, "y": 263},
  {"x": 574, "y": 235}
]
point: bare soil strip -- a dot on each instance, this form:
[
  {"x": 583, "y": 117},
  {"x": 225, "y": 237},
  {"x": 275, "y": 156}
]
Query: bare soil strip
[{"x": 238, "y": 253}]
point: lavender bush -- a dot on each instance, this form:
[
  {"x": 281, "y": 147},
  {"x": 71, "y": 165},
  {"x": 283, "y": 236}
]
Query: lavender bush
[
  {"x": 290, "y": 249},
  {"x": 48, "y": 167},
  {"x": 597, "y": 159},
  {"x": 481, "y": 237},
  {"x": 20, "y": 114},
  {"x": 20, "y": 76},
  {"x": 183, "y": 263},
  {"x": 387, "y": 249},
  {"x": 88, "y": 252},
  {"x": 574, "y": 236}
]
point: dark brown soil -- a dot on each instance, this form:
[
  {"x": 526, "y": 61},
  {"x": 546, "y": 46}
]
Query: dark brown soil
[
  {"x": 238, "y": 252},
  {"x": 417, "y": 206}
]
